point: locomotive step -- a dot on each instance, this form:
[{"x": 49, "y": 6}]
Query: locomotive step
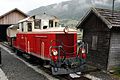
[{"x": 47, "y": 66}]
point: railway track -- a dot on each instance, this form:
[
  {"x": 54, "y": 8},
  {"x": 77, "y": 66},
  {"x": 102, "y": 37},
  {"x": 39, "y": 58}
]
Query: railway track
[{"x": 47, "y": 70}]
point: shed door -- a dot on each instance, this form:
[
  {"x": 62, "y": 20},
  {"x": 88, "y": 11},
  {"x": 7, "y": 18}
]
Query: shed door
[{"x": 3, "y": 35}]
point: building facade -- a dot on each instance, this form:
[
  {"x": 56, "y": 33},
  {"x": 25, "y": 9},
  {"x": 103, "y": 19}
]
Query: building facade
[
  {"x": 101, "y": 30},
  {"x": 9, "y": 18}
]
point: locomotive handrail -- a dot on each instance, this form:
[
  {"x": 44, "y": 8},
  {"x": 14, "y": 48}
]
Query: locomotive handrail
[
  {"x": 69, "y": 46},
  {"x": 59, "y": 48},
  {"x": 83, "y": 44},
  {"x": 62, "y": 43},
  {"x": 64, "y": 54},
  {"x": 72, "y": 52},
  {"x": 55, "y": 41}
]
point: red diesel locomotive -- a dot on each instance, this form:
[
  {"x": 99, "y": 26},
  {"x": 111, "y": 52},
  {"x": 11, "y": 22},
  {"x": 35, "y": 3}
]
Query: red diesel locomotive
[{"x": 39, "y": 36}]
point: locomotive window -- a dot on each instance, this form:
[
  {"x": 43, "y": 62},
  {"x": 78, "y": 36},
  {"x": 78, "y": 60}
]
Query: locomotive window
[
  {"x": 56, "y": 24},
  {"x": 29, "y": 27},
  {"x": 94, "y": 42},
  {"x": 50, "y": 23},
  {"x": 17, "y": 26},
  {"x": 22, "y": 29},
  {"x": 37, "y": 24},
  {"x": 44, "y": 27}
]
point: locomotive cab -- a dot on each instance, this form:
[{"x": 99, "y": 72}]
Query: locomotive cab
[
  {"x": 38, "y": 23},
  {"x": 25, "y": 25}
]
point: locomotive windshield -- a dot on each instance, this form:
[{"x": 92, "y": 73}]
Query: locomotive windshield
[
  {"x": 29, "y": 27},
  {"x": 50, "y": 23},
  {"x": 37, "y": 23}
]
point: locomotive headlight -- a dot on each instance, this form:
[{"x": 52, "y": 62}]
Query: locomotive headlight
[
  {"x": 54, "y": 52},
  {"x": 66, "y": 30},
  {"x": 83, "y": 50}
]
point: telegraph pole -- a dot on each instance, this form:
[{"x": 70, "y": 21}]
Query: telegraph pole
[{"x": 113, "y": 4}]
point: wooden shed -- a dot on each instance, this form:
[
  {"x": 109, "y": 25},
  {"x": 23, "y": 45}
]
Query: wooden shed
[
  {"x": 9, "y": 18},
  {"x": 101, "y": 30}
]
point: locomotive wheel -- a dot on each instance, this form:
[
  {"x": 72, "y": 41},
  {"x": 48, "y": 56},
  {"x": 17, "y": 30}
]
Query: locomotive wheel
[
  {"x": 13, "y": 49},
  {"x": 37, "y": 60},
  {"x": 18, "y": 52},
  {"x": 41, "y": 62},
  {"x": 32, "y": 58}
]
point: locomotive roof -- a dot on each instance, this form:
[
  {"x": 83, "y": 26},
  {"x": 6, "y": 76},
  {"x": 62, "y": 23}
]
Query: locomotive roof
[
  {"x": 56, "y": 30},
  {"x": 26, "y": 19},
  {"x": 45, "y": 16},
  {"x": 15, "y": 26}
]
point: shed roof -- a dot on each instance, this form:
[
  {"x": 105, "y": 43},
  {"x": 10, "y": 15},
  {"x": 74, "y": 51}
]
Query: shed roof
[
  {"x": 105, "y": 15},
  {"x": 15, "y": 9}
]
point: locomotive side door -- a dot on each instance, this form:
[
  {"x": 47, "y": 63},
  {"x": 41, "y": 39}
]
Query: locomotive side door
[
  {"x": 41, "y": 47},
  {"x": 44, "y": 46},
  {"x": 38, "y": 46}
]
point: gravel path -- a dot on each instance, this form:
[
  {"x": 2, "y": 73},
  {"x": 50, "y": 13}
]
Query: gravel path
[
  {"x": 2, "y": 75},
  {"x": 99, "y": 76}
]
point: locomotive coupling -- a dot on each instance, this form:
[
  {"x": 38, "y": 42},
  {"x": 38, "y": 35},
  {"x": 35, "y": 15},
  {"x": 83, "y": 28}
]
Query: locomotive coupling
[{"x": 74, "y": 64}]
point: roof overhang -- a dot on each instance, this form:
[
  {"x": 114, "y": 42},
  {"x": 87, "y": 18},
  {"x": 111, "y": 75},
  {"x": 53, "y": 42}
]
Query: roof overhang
[
  {"x": 93, "y": 10},
  {"x": 13, "y": 11}
]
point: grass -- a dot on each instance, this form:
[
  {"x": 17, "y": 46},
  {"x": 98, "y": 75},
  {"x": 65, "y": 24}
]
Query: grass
[{"x": 116, "y": 71}]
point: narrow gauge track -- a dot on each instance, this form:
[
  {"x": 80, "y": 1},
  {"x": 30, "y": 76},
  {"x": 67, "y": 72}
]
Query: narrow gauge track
[{"x": 47, "y": 70}]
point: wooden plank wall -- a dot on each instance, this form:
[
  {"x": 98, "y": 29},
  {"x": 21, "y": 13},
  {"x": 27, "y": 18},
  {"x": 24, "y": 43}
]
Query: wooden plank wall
[
  {"x": 11, "y": 18},
  {"x": 114, "y": 53},
  {"x": 93, "y": 26}
]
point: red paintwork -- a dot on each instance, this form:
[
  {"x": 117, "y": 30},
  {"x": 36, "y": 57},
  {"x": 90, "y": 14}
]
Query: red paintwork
[
  {"x": 38, "y": 44},
  {"x": 84, "y": 56},
  {"x": 54, "y": 58}
]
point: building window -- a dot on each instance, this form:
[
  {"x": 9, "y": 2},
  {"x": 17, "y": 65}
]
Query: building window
[
  {"x": 37, "y": 24},
  {"x": 94, "y": 42},
  {"x": 29, "y": 27},
  {"x": 50, "y": 23}
]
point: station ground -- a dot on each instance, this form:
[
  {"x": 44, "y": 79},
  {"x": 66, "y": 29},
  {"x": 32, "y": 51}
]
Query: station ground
[
  {"x": 2, "y": 75},
  {"x": 15, "y": 69}
]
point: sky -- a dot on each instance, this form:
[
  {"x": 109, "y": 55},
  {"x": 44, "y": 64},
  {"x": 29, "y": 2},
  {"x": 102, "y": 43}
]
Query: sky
[
  {"x": 27, "y": 5},
  {"x": 24, "y": 5}
]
